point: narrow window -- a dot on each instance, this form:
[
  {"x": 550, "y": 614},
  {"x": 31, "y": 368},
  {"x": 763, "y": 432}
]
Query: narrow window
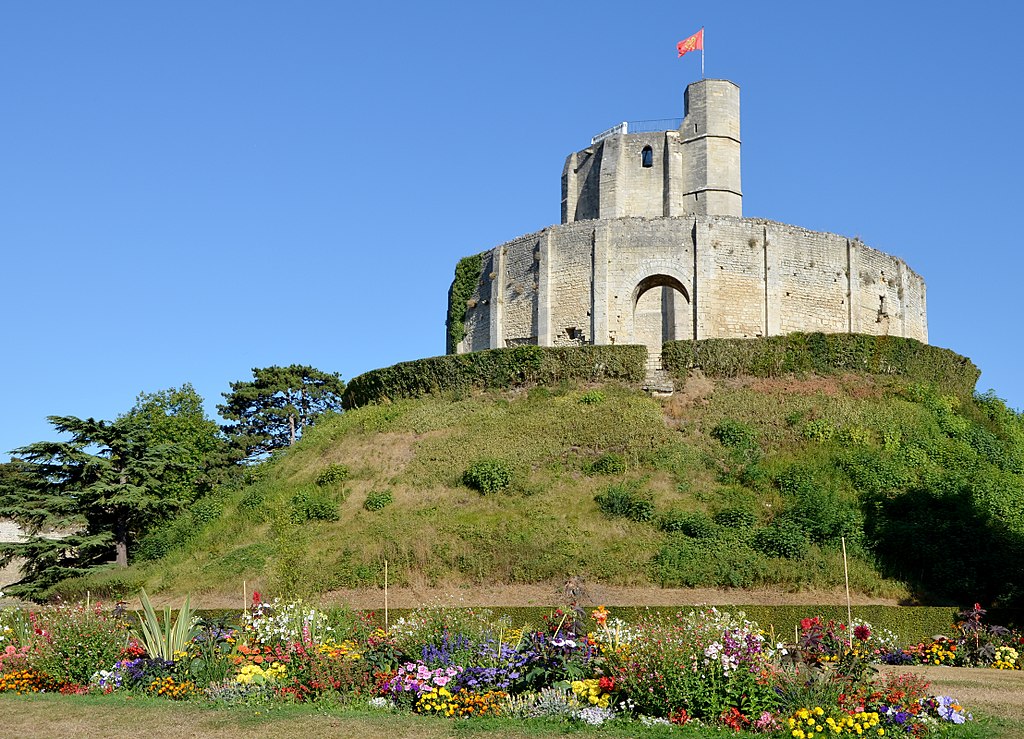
[{"x": 647, "y": 157}]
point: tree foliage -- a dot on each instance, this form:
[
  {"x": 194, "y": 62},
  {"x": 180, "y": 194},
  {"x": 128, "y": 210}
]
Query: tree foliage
[
  {"x": 272, "y": 409},
  {"x": 83, "y": 499}
]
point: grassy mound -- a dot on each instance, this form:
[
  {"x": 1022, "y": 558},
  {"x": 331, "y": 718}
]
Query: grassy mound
[{"x": 734, "y": 481}]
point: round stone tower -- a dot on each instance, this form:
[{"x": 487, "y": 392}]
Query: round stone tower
[
  {"x": 710, "y": 140},
  {"x": 694, "y": 170}
]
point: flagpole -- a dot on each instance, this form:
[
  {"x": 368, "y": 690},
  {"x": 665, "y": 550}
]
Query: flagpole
[{"x": 702, "y": 53}]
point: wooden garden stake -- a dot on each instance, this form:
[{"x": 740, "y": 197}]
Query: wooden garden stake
[
  {"x": 386, "y": 625},
  {"x": 849, "y": 610},
  {"x": 245, "y": 598}
]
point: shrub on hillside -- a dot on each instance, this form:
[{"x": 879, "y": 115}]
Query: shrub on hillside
[
  {"x": 734, "y": 434},
  {"x": 783, "y": 538},
  {"x": 819, "y": 430},
  {"x": 488, "y": 475},
  {"x": 332, "y": 474},
  {"x": 377, "y": 500},
  {"x": 313, "y": 505},
  {"x": 205, "y": 511},
  {"x": 738, "y": 519},
  {"x": 720, "y": 561},
  {"x": 695, "y": 525},
  {"x": 607, "y": 464},
  {"x": 626, "y": 501}
]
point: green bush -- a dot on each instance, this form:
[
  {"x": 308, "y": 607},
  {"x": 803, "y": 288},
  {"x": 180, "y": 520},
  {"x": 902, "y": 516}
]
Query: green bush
[
  {"x": 823, "y": 354},
  {"x": 738, "y": 519},
  {"x": 695, "y": 525},
  {"x": 377, "y": 500},
  {"x": 607, "y": 464},
  {"x": 592, "y": 397},
  {"x": 734, "y": 434},
  {"x": 856, "y": 436},
  {"x": 332, "y": 474},
  {"x": 497, "y": 369},
  {"x": 719, "y": 562},
  {"x": 819, "y": 430},
  {"x": 626, "y": 501},
  {"x": 253, "y": 503},
  {"x": 488, "y": 475},
  {"x": 205, "y": 511},
  {"x": 782, "y": 538},
  {"x": 313, "y": 505},
  {"x": 153, "y": 545}
]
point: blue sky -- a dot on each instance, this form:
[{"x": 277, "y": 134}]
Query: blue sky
[{"x": 189, "y": 190}]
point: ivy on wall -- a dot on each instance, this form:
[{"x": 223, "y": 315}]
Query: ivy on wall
[{"x": 467, "y": 275}]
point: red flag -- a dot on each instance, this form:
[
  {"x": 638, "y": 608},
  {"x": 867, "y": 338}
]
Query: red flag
[{"x": 695, "y": 42}]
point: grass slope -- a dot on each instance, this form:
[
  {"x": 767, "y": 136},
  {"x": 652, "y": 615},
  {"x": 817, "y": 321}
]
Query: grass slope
[{"x": 740, "y": 482}]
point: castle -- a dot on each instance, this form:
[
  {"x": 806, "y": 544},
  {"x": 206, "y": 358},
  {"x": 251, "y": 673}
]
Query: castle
[{"x": 653, "y": 246}]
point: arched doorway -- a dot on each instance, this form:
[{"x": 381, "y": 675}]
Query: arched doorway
[{"x": 661, "y": 312}]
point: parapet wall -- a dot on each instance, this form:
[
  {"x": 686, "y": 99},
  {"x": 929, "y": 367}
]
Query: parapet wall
[{"x": 593, "y": 282}]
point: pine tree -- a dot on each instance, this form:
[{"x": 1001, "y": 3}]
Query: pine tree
[
  {"x": 272, "y": 410},
  {"x": 82, "y": 500}
]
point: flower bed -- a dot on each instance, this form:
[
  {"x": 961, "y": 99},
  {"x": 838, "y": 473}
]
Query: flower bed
[{"x": 702, "y": 667}]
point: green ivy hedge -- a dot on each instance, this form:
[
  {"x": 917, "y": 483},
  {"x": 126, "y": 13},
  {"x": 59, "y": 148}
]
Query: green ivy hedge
[
  {"x": 910, "y": 623},
  {"x": 822, "y": 354},
  {"x": 497, "y": 369},
  {"x": 467, "y": 275}
]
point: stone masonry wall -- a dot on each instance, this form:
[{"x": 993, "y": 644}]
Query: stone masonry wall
[
  {"x": 478, "y": 313},
  {"x": 520, "y": 290},
  {"x": 727, "y": 277},
  {"x": 570, "y": 251}
]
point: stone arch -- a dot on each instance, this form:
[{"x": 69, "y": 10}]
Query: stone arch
[
  {"x": 661, "y": 311},
  {"x": 660, "y": 280}
]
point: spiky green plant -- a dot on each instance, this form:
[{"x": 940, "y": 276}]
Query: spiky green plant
[{"x": 164, "y": 640}]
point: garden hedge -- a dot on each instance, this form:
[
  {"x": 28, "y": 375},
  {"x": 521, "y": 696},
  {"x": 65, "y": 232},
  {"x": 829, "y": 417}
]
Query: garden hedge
[
  {"x": 822, "y": 354},
  {"x": 497, "y": 369},
  {"x": 910, "y": 623}
]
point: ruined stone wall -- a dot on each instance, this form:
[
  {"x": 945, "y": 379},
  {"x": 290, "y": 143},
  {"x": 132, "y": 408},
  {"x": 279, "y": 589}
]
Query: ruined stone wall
[
  {"x": 478, "y": 312},
  {"x": 519, "y": 324},
  {"x": 718, "y": 277},
  {"x": 810, "y": 281},
  {"x": 570, "y": 251},
  {"x": 730, "y": 278}
]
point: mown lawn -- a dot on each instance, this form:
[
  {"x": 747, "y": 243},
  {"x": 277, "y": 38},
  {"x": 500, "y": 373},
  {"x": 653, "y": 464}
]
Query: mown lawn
[{"x": 996, "y": 697}]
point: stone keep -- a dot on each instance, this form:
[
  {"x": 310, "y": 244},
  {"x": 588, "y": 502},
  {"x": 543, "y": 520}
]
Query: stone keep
[{"x": 653, "y": 247}]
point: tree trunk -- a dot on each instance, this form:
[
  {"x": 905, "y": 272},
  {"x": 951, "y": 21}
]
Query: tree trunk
[
  {"x": 121, "y": 535},
  {"x": 291, "y": 428},
  {"x": 121, "y": 543}
]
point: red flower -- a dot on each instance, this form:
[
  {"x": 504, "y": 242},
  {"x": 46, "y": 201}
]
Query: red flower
[
  {"x": 679, "y": 717},
  {"x": 807, "y": 623},
  {"x": 862, "y": 632},
  {"x": 256, "y": 599},
  {"x": 735, "y": 720},
  {"x": 607, "y": 684}
]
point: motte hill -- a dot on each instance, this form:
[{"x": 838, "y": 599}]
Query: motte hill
[{"x": 529, "y": 466}]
